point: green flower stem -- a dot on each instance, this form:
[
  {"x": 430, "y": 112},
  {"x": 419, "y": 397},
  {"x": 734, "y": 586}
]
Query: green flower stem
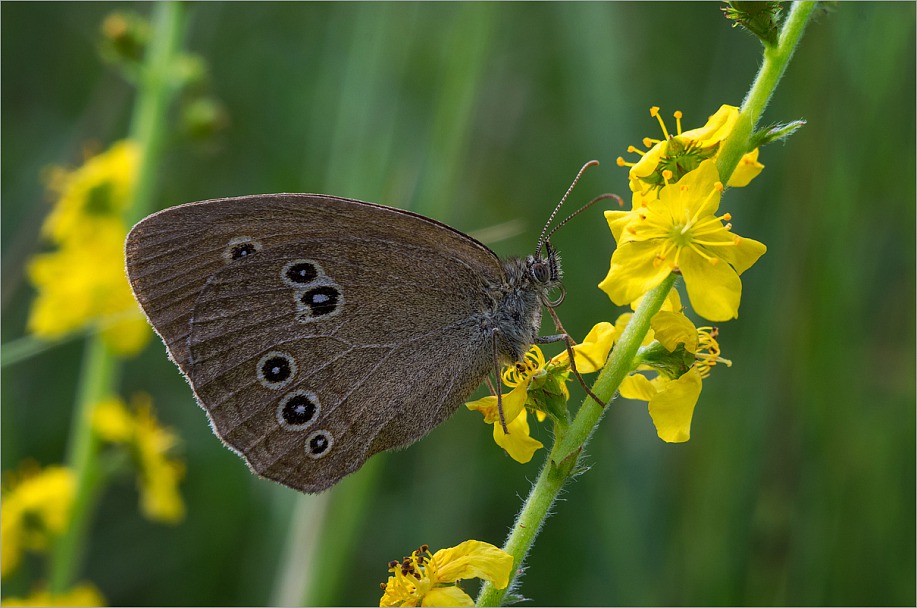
[
  {"x": 99, "y": 374},
  {"x": 101, "y": 368},
  {"x": 157, "y": 86},
  {"x": 619, "y": 365},
  {"x": 561, "y": 464},
  {"x": 776, "y": 58}
]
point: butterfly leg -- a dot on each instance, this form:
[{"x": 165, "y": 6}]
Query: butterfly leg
[
  {"x": 497, "y": 378},
  {"x": 569, "y": 343}
]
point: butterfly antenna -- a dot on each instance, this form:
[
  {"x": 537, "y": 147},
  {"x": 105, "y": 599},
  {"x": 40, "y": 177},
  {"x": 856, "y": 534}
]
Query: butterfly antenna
[
  {"x": 543, "y": 238},
  {"x": 601, "y": 197}
]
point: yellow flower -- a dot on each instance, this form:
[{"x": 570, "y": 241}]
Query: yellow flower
[
  {"x": 84, "y": 594},
  {"x": 671, "y": 398},
  {"x": 35, "y": 507},
  {"x": 683, "y": 152},
  {"x": 546, "y": 376},
  {"x": 680, "y": 232},
  {"x": 83, "y": 280},
  {"x": 93, "y": 195},
  {"x": 150, "y": 445},
  {"x": 423, "y": 579}
]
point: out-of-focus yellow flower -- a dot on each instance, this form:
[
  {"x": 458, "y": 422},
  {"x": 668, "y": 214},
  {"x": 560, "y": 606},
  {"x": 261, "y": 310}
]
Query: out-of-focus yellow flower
[
  {"x": 83, "y": 280},
  {"x": 94, "y": 195},
  {"x": 549, "y": 377},
  {"x": 683, "y": 152},
  {"x": 84, "y": 594},
  {"x": 425, "y": 579},
  {"x": 150, "y": 446},
  {"x": 36, "y": 507},
  {"x": 680, "y": 232}
]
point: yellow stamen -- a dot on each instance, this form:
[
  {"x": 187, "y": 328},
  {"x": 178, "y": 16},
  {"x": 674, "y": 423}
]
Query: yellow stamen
[
  {"x": 623, "y": 163},
  {"x": 654, "y": 111},
  {"x": 709, "y": 258},
  {"x": 667, "y": 175},
  {"x": 649, "y": 142},
  {"x": 514, "y": 375},
  {"x": 634, "y": 149},
  {"x": 678, "y": 120},
  {"x": 708, "y": 351},
  {"x": 703, "y": 205}
]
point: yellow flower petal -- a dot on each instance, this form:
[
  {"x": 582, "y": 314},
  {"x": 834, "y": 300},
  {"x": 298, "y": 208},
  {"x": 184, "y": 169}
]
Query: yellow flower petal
[
  {"x": 34, "y": 509},
  {"x": 474, "y": 559},
  {"x": 447, "y": 596},
  {"x": 718, "y": 127},
  {"x": 714, "y": 289},
  {"x": 672, "y": 407},
  {"x": 617, "y": 221},
  {"x": 747, "y": 170},
  {"x": 112, "y": 422},
  {"x": 743, "y": 254},
  {"x": 674, "y": 328},
  {"x": 633, "y": 271},
  {"x": 637, "y": 386},
  {"x": 592, "y": 352},
  {"x": 513, "y": 404},
  {"x": 518, "y": 443}
]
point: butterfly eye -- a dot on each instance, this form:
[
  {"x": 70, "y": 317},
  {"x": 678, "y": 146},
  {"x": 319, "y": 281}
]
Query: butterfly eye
[{"x": 541, "y": 273}]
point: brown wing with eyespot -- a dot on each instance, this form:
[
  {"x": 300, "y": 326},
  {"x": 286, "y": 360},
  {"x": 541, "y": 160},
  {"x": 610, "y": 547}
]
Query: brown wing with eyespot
[{"x": 381, "y": 329}]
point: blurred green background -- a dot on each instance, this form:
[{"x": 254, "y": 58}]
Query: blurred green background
[{"x": 798, "y": 485}]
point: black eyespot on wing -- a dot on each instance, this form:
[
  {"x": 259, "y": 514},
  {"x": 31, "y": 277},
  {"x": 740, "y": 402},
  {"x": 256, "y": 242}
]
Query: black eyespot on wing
[
  {"x": 319, "y": 443},
  {"x": 276, "y": 369},
  {"x": 298, "y": 410},
  {"x": 242, "y": 250},
  {"x": 240, "y": 247},
  {"x": 299, "y": 273},
  {"x": 321, "y": 300}
]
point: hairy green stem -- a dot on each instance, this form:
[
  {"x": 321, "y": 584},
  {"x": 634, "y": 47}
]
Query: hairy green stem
[
  {"x": 561, "y": 464},
  {"x": 776, "y": 59},
  {"x": 100, "y": 367}
]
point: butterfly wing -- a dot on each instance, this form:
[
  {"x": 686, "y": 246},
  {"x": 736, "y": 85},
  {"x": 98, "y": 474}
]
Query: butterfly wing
[{"x": 314, "y": 330}]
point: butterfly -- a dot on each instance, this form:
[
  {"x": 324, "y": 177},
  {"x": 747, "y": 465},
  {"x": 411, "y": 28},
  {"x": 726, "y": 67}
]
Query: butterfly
[{"x": 316, "y": 331}]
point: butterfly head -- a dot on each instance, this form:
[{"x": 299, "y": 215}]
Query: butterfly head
[{"x": 544, "y": 272}]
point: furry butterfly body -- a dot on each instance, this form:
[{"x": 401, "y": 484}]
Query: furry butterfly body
[{"x": 317, "y": 331}]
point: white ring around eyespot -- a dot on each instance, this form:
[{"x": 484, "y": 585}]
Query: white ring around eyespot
[
  {"x": 259, "y": 370},
  {"x": 238, "y": 240},
  {"x": 320, "y": 274},
  {"x": 298, "y": 427},
  {"x": 309, "y": 439}
]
